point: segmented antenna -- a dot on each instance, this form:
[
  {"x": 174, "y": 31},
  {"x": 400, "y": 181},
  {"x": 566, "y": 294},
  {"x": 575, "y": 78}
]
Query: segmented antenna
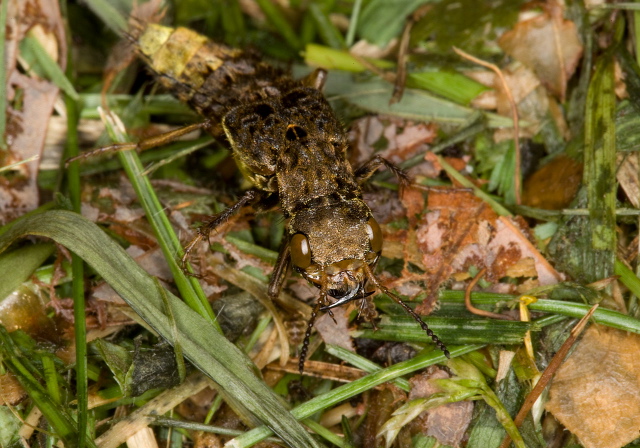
[
  {"x": 436, "y": 340},
  {"x": 307, "y": 335}
]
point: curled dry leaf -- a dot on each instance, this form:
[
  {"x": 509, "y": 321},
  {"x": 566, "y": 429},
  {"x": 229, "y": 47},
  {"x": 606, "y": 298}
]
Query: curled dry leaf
[
  {"x": 460, "y": 231},
  {"x": 596, "y": 392},
  {"x": 547, "y": 44}
]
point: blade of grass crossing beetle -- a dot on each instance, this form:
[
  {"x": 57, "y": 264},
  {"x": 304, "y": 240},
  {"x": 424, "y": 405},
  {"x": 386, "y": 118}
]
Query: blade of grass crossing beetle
[{"x": 189, "y": 288}]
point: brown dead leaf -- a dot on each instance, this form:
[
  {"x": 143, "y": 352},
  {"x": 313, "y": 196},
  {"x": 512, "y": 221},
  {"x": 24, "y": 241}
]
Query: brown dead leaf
[
  {"x": 414, "y": 203},
  {"x": 547, "y": 44},
  {"x": 627, "y": 175},
  {"x": 520, "y": 83},
  {"x": 27, "y": 119},
  {"x": 398, "y": 139},
  {"x": 596, "y": 392},
  {"x": 336, "y": 333},
  {"x": 447, "y": 423},
  {"x": 460, "y": 231},
  {"x": 554, "y": 185},
  {"x": 11, "y": 391},
  {"x": 382, "y": 404}
]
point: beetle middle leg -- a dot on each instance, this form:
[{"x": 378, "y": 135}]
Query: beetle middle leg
[{"x": 250, "y": 197}]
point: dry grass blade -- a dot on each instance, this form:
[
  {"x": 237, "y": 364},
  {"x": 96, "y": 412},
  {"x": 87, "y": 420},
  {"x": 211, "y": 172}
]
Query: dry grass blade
[{"x": 517, "y": 181}]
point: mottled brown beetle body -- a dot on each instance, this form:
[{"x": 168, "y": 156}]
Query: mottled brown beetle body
[{"x": 289, "y": 144}]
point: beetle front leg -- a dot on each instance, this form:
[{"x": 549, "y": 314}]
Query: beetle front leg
[{"x": 367, "y": 170}]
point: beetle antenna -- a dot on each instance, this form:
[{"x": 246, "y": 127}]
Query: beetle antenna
[
  {"x": 316, "y": 309},
  {"x": 436, "y": 340},
  {"x": 307, "y": 335}
]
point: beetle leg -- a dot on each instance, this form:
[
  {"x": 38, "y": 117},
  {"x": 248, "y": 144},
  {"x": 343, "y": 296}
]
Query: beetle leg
[
  {"x": 250, "y": 197},
  {"x": 280, "y": 269},
  {"x": 316, "y": 79},
  {"x": 367, "y": 170},
  {"x": 146, "y": 143}
]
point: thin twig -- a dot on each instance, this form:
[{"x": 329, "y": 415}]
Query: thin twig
[
  {"x": 471, "y": 307},
  {"x": 403, "y": 51},
  {"x": 549, "y": 372},
  {"x": 514, "y": 113}
]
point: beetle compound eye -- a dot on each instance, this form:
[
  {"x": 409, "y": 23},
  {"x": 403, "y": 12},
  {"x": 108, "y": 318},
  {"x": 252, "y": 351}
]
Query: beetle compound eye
[
  {"x": 300, "y": 251},
  {"x": 375, "y": 235}
]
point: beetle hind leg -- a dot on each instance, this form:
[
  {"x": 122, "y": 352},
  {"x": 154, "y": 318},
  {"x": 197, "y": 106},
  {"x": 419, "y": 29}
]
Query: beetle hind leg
[{"x": 144, "y": 144}]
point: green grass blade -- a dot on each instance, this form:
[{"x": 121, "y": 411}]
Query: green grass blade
[
  {"x": 363, "y": 363},
  {"x": 449, "y": 329},
  {"x": 279, "y": 22},
  {"x": 356, "y": 387},
  {"x": 331, "y": 59},
  {"x": 189, "y": 288},
  {"x": 610, "y": 318},
  {"x": 62, "y": 423},
  {"x": 373, "y": 96},
  {"x": 329, "y": 33},
  {"x": 109, "y": 15},
  {"x": 72, "y": 149},
  {"x": 382, "y": 20},
  {"x": 42, "y": 63},
  {"x": 627, "y": 277},
  {"x": 16, "y": 266},
  {"x": 449, "y": 84},
  {"x": 205, "y": 347},
  {"x": 600, "y": 171},
  {"x": 353, "y": 22}
]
